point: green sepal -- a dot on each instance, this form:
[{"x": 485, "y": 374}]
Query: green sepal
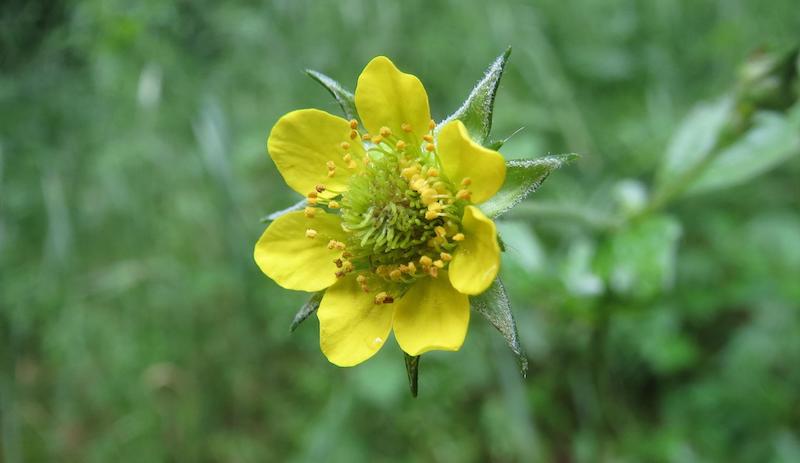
[
  {"x": 523, "y": 177},
  {"x": 476, "y": 111},
  {"x": 412, "y": 368},
  {"x": 300, "y": 205},
  {"x": 306, "y": 310},
  {"x": 344, "y": 97},
  {"x": 494, "y": 306}
]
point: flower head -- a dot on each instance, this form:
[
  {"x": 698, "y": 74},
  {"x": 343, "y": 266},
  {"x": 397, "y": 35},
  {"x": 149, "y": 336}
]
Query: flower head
[{"x": 391, "y": 231}]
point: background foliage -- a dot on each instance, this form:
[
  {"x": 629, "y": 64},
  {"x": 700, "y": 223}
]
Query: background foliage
[{"x": 661, "y": 323}]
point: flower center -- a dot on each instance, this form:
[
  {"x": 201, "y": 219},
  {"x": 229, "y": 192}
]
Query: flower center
[{"x": 401, "y": 213}]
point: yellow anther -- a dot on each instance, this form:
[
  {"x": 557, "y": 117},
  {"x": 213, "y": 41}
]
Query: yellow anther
[
  {"x": 310, "y": 212},
  {"x": 366, "y": 137},
  {"x": 331, "y": 165},
  {"x": 412, "y": 269},
  {"x": 345, "y": 146},
  {"x": 400, "y": 145},
  {"x": 433, "y": 271},
  {"x": 312, "y": 200},
  {"x": 377, "y": 139},
  {"x": 409, "y": 172},
  {"x": 425, "y": 261},
  {"x": 433, "y": 172},
  {"x": 395, "y": 274},
  {"x": 331, "y": 244},
  {"x": 333, "y": 204},
  {"x": 428, "y": 138},
  {"x": 463, "y": 194},
  {"x": 386, "y": 132},
  {"x": 432, "y": 124},
  {"x": 352, "y": 164},
  {"x": 361, "y": 279},
  {"x": 331, "y": 172},
  {"x": 338, "y": 263},
  {"x": 458, "y": 237},
  {"x": 430, "y": 148},
  {"x": 312, "y": 194},
  {"x": 346, "y": 255},
  {"x": 383, "y": 298},
  {"x": 440, "y": 231},
  {"x": 438, "y": 263},
  {"x": 353, "y": 124},
  {"x": 348, "y": 266},
  {"x": 431, "y": 215},
  {"x": 406, "y": 127},
  {"x": 446, "y": 257},
  {"x": 428, "y": 195},
  {"x": 353, "y": 134},
  {"x": 466, "y": 181},
  {"x": 435, "y": 206},
  {"x": 320, "y": 188},
  {"x": 311, "y": 233},
  {"x": 347, "y": 157}
]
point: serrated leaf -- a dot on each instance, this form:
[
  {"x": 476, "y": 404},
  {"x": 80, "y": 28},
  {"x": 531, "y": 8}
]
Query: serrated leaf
[
  {"x": 294, "y": 207},
  {"x": 343, "y": 96},
  {"x": 306, "y": 310},
  {"x": 772, "y": 139},
  {"x": 694, "y": 141},
  {"x": 412, "y": 369},
  {"x": 494, "y": 306},
  {"x": 476, "y": 111},
  {"x": 523, "y": 177}
]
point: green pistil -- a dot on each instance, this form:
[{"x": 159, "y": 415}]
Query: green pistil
[{"x": 386, "y": 217}]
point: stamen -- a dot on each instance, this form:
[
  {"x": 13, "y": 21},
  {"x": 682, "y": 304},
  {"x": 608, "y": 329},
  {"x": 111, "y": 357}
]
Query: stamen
[
  {"x": 333, "y": 204},
  {"x": 383, "y": 298},
  {"x": 406, "y": 127},
  {"x": 430, "y": 148},
  {"x": 425, "y": 261},
  {"x": 311, "y": 233},
  {"x": 433, "y": 271},
  {"x": 466, "y": 181},
  {"x": 400, "y": 145},
  {"x": 338, "y": 263},
  {"x": 428, "y": 138},
  {"x": 353, "y": 124},
  {"x": 433, "y": 172},
  {"x": 385, "y": 132},
  {"x": 438, "y": 263},
  {"x": 310, "y": 212},
  {"x": 432, "y": 124},
  {"x": 366, "y": 137},
  {"x": 464, "y": 194},
  {"x": 320, "y": 188},
  {"x": 353, "y": 134},
  {"x": 345, "y": 146},
  {"x": 377, "y": 139},
  {"x": 446, "y": 257},
  {"x": 458, "y": 237},
  {"x": 395, "y": 274}
]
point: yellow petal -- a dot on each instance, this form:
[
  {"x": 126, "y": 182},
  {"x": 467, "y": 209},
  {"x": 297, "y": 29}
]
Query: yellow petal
[
  {"x": 352, "y": 328},
  {"x": 386, "y": 97},
  {"x": 463, "y": 158},
  {"x": 301, "y": 144},
  {"x": 477, "y": 258},
  {"x": 432, "y": 315},
  {"x": 295, "y": 261}
]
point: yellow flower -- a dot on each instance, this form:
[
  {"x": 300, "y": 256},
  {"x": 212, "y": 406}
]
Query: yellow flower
[{"x": 392, "y": 232}]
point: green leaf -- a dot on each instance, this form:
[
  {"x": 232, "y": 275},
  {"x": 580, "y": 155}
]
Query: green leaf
[
  {"x": 494, "y": 306},
  {"x": 639, "y": 261},
  {"x": 343, "y": 96},
  {"x": 476, "y": 111},
  {"x": 300, "y": 205},
  {"x": 523, "y": 177},
  {"x": 306, "y": 310},
  {"x": 412, "y": 368},
  {"x": 694, "y": 141},
  {"x": 773, "y": 139}
]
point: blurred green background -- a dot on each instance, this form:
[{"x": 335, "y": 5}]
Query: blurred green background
[{"x": 134, "y": 326}]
